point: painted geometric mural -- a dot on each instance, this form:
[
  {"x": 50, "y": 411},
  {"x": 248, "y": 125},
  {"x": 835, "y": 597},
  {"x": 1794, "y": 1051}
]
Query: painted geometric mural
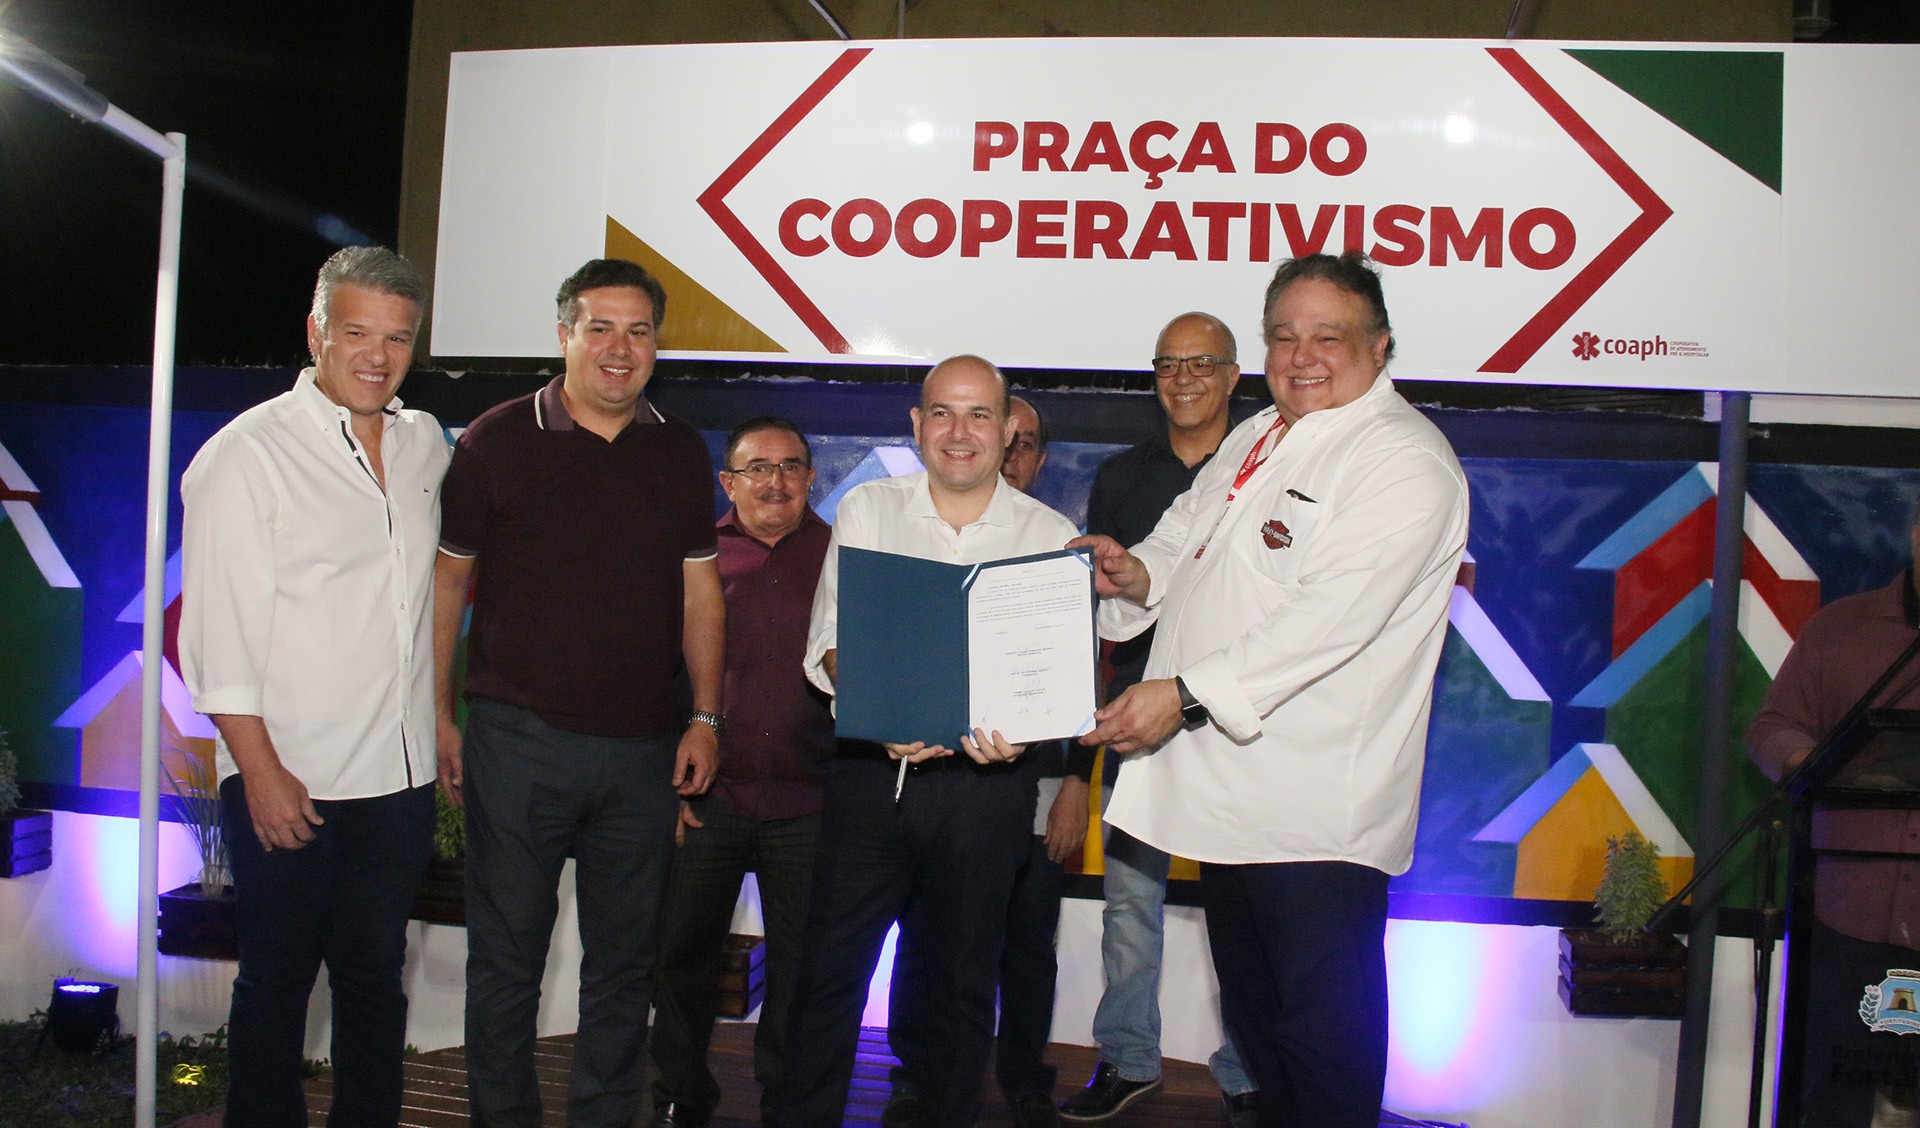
[
  {"x": 1646, "y": 776},
  {"x": 40, "y": 626},
  {"x": 1566, "y": 706}
]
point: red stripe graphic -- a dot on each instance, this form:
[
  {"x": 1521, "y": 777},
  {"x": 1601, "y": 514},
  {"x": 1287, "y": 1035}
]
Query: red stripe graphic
[
  {"x": 713, "y": 200},
  {"x": 1653, "y": 213}
]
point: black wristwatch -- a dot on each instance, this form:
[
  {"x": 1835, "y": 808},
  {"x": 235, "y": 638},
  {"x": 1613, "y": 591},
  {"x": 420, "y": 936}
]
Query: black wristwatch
[{"x": 1192, "y": 713}]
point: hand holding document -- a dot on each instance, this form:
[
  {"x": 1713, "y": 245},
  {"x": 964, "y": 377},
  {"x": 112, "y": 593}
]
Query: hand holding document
[{"x": 931, "y": 651}]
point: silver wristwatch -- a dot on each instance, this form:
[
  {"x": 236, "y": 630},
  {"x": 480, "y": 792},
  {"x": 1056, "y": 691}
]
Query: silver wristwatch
[{"x": 714, "y": 721}]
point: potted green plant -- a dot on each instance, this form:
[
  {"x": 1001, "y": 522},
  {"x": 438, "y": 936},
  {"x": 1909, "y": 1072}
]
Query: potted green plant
[
  {"x": 26, "y": 836},
  {"x": 1620, "y": 968},
  {"x": 196, "y": 919},
  {"x": 442, "y": 898}
]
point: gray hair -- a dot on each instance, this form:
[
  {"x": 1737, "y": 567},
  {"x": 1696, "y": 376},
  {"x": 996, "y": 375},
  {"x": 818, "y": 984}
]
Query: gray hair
[{"x": 372, "y": 268}]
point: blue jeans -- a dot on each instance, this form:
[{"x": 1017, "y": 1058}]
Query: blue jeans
[
  {"x": 341, "y": 900},
  {"x": 1126, "y": 1025}
]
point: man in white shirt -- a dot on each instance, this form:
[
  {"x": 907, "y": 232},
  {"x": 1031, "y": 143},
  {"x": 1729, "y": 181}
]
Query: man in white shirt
[
  {"x": 306, "y": 634},
  {"x": 961, "y": 825},
  {"x": 1301, "y": 591},
  {"x": 1028, "y": 963}
]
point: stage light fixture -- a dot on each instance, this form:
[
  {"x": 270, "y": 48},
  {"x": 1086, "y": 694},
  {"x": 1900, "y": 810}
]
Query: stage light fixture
[{"x": 83, "y": 1016}]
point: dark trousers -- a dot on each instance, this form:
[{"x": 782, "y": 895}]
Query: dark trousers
[
  {"x": 1029, "y": 969},
  {"x": 534, "y": 795},
  {"x": 707, "y": 871},
  {"x": 1845, "y": 1061},
  {"x": 341, "y": 900},
  {"x": 951, "y": 845},
  {"x": 1299, "y": 948}
]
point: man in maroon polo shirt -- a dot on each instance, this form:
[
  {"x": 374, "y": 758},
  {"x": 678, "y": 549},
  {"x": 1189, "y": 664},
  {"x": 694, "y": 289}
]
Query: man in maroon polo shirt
[
  {"x": 588, "y": 515},
  {"x": 763, "y": 813},
  {"x": 1857, "y": 1070}
]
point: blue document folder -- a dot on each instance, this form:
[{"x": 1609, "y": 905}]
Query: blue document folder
[{"x": 902, "y": 662}]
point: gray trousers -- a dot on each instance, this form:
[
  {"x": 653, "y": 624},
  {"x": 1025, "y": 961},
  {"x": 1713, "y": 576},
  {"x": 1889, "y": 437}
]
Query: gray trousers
[{"x": 536, "y": 795}]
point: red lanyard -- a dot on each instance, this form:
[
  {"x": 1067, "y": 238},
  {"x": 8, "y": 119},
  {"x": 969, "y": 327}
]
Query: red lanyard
[{"x": 1255, "y": 459}]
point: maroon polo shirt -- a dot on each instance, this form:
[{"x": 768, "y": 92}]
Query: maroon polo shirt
[
  {"x": 1841, "y": 652},
  {"x": 581, "y": 545},
  {"x": 779, "y": 727}
]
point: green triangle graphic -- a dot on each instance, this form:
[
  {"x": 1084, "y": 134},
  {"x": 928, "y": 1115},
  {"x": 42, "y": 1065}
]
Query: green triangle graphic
[{"x": 1729, "y": 100}]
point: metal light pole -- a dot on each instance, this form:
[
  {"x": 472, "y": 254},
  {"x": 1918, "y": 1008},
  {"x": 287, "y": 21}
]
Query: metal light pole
[{"x": 54, "y": 81}]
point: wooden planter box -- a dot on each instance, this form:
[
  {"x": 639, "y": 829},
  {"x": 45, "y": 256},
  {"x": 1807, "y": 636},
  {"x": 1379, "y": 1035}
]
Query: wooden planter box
[
  {"x": 743, "y": 975},
  {"x": 26, "y": 842},
  {"x": 442, "y": 897},
  {"x": 1645, "y": 980},
  {"x": 194, "y": 924}
]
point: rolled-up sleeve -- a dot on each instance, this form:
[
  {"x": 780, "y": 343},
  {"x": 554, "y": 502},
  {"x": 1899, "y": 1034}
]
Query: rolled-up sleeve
[
  {"x": 233, "y": 503},
  {"x": 823, "y": 627},
  {"x": 1393, "y": 542},
  {"x": 1796, "y": 708}
]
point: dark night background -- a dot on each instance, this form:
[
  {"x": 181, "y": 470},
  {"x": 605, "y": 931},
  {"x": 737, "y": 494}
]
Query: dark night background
[
  {"x": 300, "y": 105},
  {"x": 299, "y": 108}
]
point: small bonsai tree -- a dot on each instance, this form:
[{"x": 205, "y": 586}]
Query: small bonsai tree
[
  {"x": 1631, "y": 890},
  {"x": 9, "y": 776}
]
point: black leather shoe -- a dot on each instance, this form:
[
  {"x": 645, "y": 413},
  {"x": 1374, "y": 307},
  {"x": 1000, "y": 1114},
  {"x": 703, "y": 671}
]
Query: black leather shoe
[
  {"x": 1105, "y": 1095},
  {"x": 1034, "y": 1110},
  {"x": 904, "y": 1108},
  {"x": 673, "y": 1114},
  {"x": 1243, "y": 1109}
]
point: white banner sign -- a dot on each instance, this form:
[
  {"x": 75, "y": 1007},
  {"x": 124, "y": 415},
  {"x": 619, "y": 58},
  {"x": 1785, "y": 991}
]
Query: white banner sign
[{"x": 1583, "y": 214}]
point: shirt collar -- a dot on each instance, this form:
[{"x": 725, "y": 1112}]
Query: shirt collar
[
  {"x": 326, "y": 413},
  {"x": 550, "y": 408},
  {"x": 999, "y": 510},
  {"x": 1369, "y": 402},
  {"x": 729, "y": 524}
]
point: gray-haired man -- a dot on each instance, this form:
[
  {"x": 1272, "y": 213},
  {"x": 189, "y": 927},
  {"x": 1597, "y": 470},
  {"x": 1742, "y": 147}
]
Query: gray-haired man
[{"x": 306, "y": 634}]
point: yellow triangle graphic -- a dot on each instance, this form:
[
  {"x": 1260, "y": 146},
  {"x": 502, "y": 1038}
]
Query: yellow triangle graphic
[{"x": 697, "y": 319}]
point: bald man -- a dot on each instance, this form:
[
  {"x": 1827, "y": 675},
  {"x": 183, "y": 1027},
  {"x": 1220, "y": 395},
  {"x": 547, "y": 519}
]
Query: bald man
[{"x": 959, "y": 831}]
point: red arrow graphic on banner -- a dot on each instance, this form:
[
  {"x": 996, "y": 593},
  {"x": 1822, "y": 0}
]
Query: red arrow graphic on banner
[
  {"x": 1653, "y": 213},
  {"x": 714, "y": 200}
]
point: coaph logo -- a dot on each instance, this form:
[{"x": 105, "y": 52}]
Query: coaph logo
[{"x": 1586, "y": 346}]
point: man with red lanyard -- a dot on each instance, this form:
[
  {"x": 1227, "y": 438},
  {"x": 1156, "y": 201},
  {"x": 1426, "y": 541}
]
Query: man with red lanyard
[{"x": 1301, "y": 590}]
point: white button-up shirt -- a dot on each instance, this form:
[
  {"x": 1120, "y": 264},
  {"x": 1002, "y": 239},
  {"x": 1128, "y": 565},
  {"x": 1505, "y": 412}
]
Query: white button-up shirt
[
  {"x": 1310, "y": 628},
  {"x": 307, "y": 591},
  {"x": 897, "y": 515}
]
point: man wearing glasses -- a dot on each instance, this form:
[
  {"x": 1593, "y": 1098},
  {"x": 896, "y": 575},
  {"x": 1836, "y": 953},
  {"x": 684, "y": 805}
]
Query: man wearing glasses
[
  {"x": 1195, "y": 373},
  {"x": 763, "y": 813}
]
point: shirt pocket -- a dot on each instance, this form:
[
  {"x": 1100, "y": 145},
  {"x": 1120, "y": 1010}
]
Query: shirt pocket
[{"x": 1277, "y": 537}]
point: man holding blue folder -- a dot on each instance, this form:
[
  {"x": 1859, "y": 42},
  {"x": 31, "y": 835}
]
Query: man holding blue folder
[{"x": 959, "y": 828}]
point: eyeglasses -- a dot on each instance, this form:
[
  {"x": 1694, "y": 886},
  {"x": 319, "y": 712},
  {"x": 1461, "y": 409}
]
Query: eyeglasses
[
  {"x": 764, "y": 471},
  {"x": 1167, "y": 367}
]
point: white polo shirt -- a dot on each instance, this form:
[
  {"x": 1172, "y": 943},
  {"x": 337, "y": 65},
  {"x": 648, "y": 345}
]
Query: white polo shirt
[
  {"x": 897, "y": 515},
  {"x": 1310, "y": 628},
  {"x": 307, "y": 591}
]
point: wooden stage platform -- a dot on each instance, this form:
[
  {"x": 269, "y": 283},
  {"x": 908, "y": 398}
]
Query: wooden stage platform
[{"x": 436, "y": 1088}]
